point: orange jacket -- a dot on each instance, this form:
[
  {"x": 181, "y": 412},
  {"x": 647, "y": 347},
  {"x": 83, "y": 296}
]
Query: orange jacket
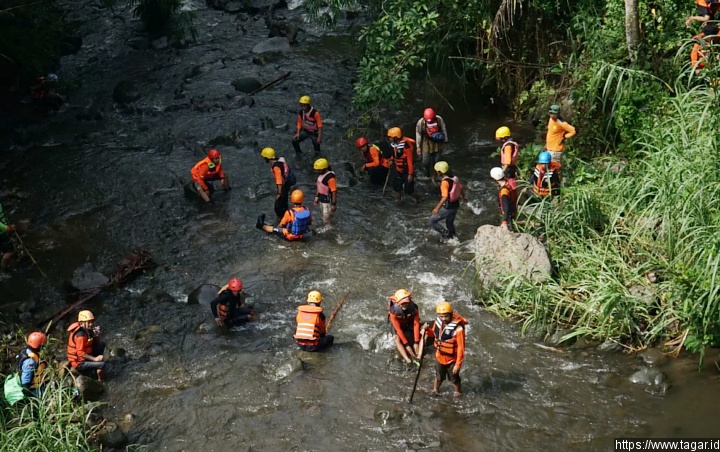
[
  {"x": 509, "y": 153},
  {"x": 403, "y": 152},
  {"x": 558, "y": 131},
  {"x": 206, "y": 169},
  {"x": 697, "y": 54},
  {"x": 310, "y": 325},
  {"x": 449, "y": 340},
  {"x": 80, "y": 343},
  {"x": 374, "y": 158},
  {"x": 401, "y": 320}
]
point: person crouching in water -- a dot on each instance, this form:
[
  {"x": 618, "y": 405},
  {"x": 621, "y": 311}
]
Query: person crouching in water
[
  {"x": 404, "y": 317},
  {"x": 229, "y": 307},
  {"x": 451, "y": 190},
  {"x": 449, "y": 334},
  {"x": 207, "y": 171},
  {"x": 311, "y": 332},
  {"x": 295, "y": 224}
]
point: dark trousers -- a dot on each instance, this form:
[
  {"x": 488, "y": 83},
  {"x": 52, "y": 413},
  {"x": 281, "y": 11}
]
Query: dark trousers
[
  {"x": 378, "y": 175},
  {"x": 449, "y": 216},
  {"x": 325, "y": 342},
  {"x": 304, "y": 135},
  {"x": 281, "y": 204}
]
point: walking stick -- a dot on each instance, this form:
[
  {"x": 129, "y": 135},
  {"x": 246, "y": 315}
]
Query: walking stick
[
  {"x": 387, "y": 177},
  {"x": 335, "y": 311},
  {"x": 420, "y": 357},
  {"x": 29, "y": 255}
]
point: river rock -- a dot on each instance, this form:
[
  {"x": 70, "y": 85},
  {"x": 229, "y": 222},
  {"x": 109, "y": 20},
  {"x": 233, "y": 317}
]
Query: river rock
[
  {"x": 651, "y": 376},
  {"x": 501, "y": 253},
  {"x": 112, "y": 436},
  {"x": 652, "y": 357},
  {"x": 154, "y": 296},
  {"x": 610, "y": 346},
  {"x": 94, "y": 419},
  {"x": 126, "y": 422},
  {"x": 125, "y": 92},
  {"x": 85, "y": 277},
  {"x": 233, "y": 7},
  {"x": 556, "y": 338},
  {"x": 203, "y": 294},
  {"x": 277, "y": 44},
  {"x": 160, "y": 43},
  {"x": 246, "y": 84},
  {"x": 147, "y": 334},
  {"x": 89, "y": 389},
  {"x": 25, "y": 317}
]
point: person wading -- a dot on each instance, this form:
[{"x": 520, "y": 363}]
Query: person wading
[
  {"x": 309, "y": 125},
  {"x": 404, "y": 317},
  {"x": 284, "y": 178},
  {"x": 376, "y": 165},
  {"x": 311, "y": 333},
  {"x": 326, "y": 190},
  {"x": 545, "y": 180},
  {"x": 449, "y": 334},
  {"x": 207, "y": 171},
  {"x": 84, "y": 348},
  {"x": 509, "y": 151},
  {"x": 402, "y": 157},
  {"x": 507, "y": 197},
  {"x": 558, "y": 131},
  {"x": 431, "y": 137},
  {"x": 295, "y": 224},
  {"x": 29, "y": 379},
  {"x": 451, "y": 191},
  {"x": 229, "y": 307}
]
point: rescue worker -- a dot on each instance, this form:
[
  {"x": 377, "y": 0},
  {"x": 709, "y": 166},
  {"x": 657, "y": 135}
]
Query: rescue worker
[
  {"x": 43, "y": 92},
  {"x": 311, "y": 333},
  {"x": 702, "y": 46},
  {"x": 509, "y": 151},
  {"x": 6, "y": 245},
  {"x": 404, "y": 317},
  {"x": 326, "y": 186},
  {"x": 84, "y": 348},
  {"x": 558, "y": 131},
  {"x": 376, "y": 165},
  {"x": 507, "y": 197},
  {"x": 284, "y": 179},
  {"x": 449, "y": 334},
  {"x": 207, "y": 171},
  {"x": 28, "y": 380},
  {"x": 295, "y": 224},
  {"x": 229, "y": 306},
  {"x": 545, "y": 180},
  {"x": 402, "y": 157},
  {"x": 706, "y": 10},
  {"x": 431, "y": 137},
  {"x": 451, "y": 190},
  {"x": 309, "y": 125}
]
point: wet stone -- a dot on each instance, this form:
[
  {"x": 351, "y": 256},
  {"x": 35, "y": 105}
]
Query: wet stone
[
  {"x": 125, "y": 92},
  {"x": 652, "y": 357},
  {"x": 204, "y": 294},
  {"x": 89, "y": 389},
  {"x": 112, "y": 436},
  {"x": 153, "y": 296},
  {"x": 610, "y": 346},
  {"x": 557, "y": 338},
  {"x": 233, "y": 7},
  {"x": 651, "y": 376},
  {"x": 160, "y": 43},
  {"x": 146, "y": 334},
  {"x": 85, "y": 277},
  {"x": 276, "y": 44},
  {"x": 25, "y": 317},
  {"x": 246, "y": 84}
]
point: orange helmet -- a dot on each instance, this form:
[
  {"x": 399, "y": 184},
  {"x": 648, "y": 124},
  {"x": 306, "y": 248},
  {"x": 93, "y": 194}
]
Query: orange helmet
[
  {"x": 402, "y": 296},
  {"x": 297, "y": 197},
  {"x": 395, "y": 132},
  {"x": 213, "y": 154},
  {"x": 444, "y": 308},
  {"x": 428, "y": 114},
  {"x": 235, "y": 285},
  {"x": 36, "y": 340}
]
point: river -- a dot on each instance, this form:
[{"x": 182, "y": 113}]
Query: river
[{"x": 99, "y": 188}]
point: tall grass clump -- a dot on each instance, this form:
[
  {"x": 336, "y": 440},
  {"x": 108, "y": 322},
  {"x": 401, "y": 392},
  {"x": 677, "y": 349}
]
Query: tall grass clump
[
  {"x": 637, "y": 250},
  {"x": 54, "y": 421}
]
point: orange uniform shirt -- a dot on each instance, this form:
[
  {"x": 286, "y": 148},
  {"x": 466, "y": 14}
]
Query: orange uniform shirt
[{"x": 558, "y": 130}]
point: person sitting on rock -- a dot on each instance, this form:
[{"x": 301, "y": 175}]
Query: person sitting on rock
[
  {"x": 84, "y": 348},
  {"x": 29, "y": 379},
  {"x": 206, "y": 171},
  {"x": 295, "y": 224},
  {"x": 229, "y": 306}
]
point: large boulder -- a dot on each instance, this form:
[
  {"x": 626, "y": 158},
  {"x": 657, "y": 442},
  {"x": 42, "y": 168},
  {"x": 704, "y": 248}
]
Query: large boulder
[
  {"x": 203, "y": 294},
  {"x": 246, "y": 84},
  {"x": 155, "y": 296},
  {"x": 500, "y": 253},
  {"x": 125, "y": 92},
  {"x": 276, "y": 44},
  {"x": 85, "y": 277},
  {"x": 89, "y": 389},
  {"x": 112, "y": 436}
]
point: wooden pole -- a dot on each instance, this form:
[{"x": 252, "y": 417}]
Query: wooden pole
[
  {"x": 420, "y": 357},
  {"x": 29, "y": 255},
  {"x": 335, "y": 311}
]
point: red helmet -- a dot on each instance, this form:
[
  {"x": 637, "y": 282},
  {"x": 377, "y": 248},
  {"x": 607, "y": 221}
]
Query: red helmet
[
  {"x": 235, "y": 285},
  {"x": 360, "y": 142},
  {"x": 36, "y": 340},
  {"x": 213, "y": 154},
  {"x": 428, "y": 114}
]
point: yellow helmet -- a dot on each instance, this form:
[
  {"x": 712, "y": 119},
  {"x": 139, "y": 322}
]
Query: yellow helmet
[
  {"x": 395, "y": 132},
  {"x": 402, "y": 295},
  {"x": 442, "y": 167},
  {"x": 268, "y": 153},
  {"x": 297, "y": 197},
  {"x": 84, "y": 316},
  {"x": 444, "y": 308},
  {"x": 314, "y": 296},
  {"x": 502, "y": 132},
  {"x": 305, "y": 100},
  {"x": 321, "y": 164}
]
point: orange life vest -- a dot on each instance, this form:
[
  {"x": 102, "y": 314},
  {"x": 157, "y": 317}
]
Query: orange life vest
[
  {"x": 372, "y": 153},
  {"x": 513, "y": 154},
  {"x": 308, "y": 325},
  {"x": 511, "y": 192},
  {"x": 445, "y": 341},
  {"x": 309, "y": 121},
  {"x": 544, "y": 183},
  {"x": 198, "y": 172},
  {"x": 399, "y": 156},
  {"x": 74, "y": 355}
]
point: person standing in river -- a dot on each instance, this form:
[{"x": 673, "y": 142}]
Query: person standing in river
[
  {"x": 326, "y": 186},
  {"x": 207, "y": 171},
  {"x": 431, "y": 137},
  {"x": 404, "y": 318},
  {"x": 295, "y": 224},
  {"x": 402, "y": 157},
  {"x": 229, "y": 307},
  {"x": 84, "y": 348},
  {"x": 449, "y": 334},
  {"x": 311, "y": 331},
  {"x": 7, "y": 249},
  {"x": 284, "y": 179},
  {"x": 376, "y": 165},
  {"x": 451, "y": 190},
  {"x": 558, "y": 131},
  {"x": 309, "y": 125}
]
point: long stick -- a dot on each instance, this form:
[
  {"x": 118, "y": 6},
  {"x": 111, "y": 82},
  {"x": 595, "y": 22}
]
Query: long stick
[
  {"x": 335, "y": 311},
  {"x": 29, "y": 255},
  {"x": 420, "y": 357},
  {"x": 387, "y": 178},
  {"x": 269, "y": 84}
]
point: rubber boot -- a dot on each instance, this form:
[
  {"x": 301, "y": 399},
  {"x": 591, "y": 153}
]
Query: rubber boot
[{"x": 260, "y": 222}]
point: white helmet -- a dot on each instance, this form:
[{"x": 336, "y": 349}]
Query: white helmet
[
  {"x": 497, "y": 173},
  {"x": 52, "y": 78}
]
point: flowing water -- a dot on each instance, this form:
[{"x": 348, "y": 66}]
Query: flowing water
[{"x": 97, "y": 189}]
